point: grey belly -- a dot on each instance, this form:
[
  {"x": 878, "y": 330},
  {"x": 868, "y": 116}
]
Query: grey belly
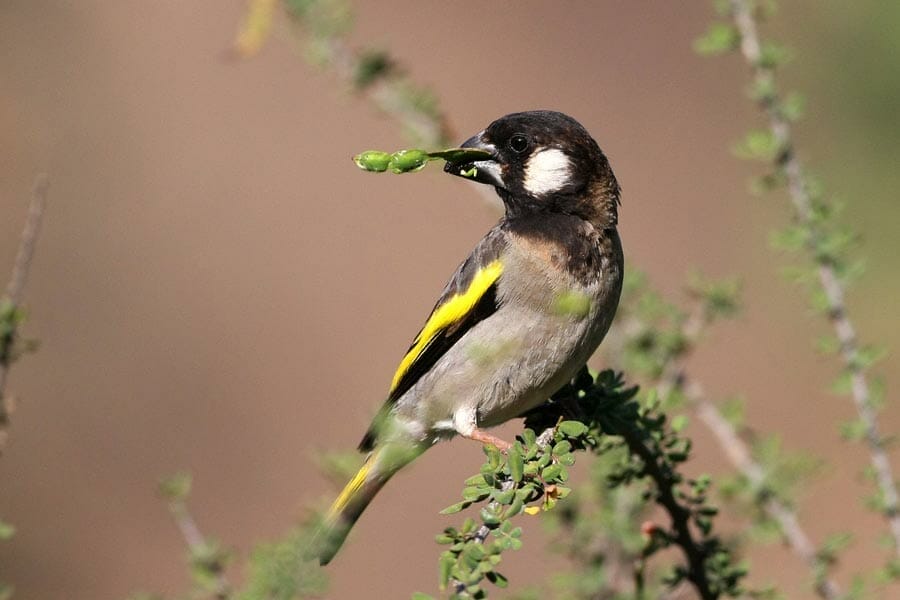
[{"x": 502, "y": 368}]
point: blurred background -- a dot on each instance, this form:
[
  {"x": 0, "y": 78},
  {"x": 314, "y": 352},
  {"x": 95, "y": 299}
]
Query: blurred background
[{"x": 218, "y": 289}]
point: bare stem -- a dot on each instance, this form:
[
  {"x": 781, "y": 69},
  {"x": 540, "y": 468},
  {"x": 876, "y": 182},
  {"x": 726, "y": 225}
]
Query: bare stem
[
  {"x": 832, "y": 286},
  {"x": 16, "y": 288}
]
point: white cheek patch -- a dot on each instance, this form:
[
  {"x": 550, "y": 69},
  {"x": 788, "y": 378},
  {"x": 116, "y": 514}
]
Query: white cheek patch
[{"x": 547, "y": 171}]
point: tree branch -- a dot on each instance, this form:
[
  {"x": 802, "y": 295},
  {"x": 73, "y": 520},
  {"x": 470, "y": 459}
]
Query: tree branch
[
  {"x": 206, "y": 557},
  {"x": 10, "y": 318},
  {"x": 742, "y": 13},
  {"x": 738, "y": 453}
]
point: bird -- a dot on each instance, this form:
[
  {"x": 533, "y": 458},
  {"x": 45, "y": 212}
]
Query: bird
[{"x": 519, "y": 317}]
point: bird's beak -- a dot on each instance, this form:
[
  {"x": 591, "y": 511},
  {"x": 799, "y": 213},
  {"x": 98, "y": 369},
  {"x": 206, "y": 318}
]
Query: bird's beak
[{"x": 483, "y": 171}]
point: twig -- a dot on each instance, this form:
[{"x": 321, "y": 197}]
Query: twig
[
  {"x": 16, "y": 288},
  {"x": 198, "y": 545},
  {"x": 740, "y": 456},
  {"x": 481, "y": 534},
  {"x": 675, "y": 377},
  {"x": 787, "y": 160},
  {"x": 695, "y": 552}
]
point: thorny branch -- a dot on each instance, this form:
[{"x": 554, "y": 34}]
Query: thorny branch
[
  {"x": 199, "y": 546},
  {"x": 14, "y": 291},
  {"x": 674, "y": 377},
  {"x": 742, "y": 12}
]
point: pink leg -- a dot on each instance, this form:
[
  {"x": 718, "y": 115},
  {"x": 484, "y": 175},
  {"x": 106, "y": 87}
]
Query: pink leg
[{"x": 479, "y": 435}]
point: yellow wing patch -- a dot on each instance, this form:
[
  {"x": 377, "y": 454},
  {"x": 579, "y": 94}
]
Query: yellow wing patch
[{"x": 448, "y": 313}]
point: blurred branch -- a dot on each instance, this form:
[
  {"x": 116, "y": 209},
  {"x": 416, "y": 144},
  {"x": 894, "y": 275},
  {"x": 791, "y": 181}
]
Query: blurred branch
[
  {"x": 739, "y": 453},
  {"x": 789, "y": 525},
  {"x": 369, "y": 72},
  {"x": 658, "y": 339},
  {"x": 206, "y": 557},
  {"x": 763, "y": 61},
  {"x": 10, "y": 314}
]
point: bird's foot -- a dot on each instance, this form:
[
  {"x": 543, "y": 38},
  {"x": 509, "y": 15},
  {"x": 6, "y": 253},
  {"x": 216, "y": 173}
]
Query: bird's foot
[{"x": 479, "y": 435}]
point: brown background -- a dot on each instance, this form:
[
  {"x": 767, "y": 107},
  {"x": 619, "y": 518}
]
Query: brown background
[{"x": 218, "y": 289}]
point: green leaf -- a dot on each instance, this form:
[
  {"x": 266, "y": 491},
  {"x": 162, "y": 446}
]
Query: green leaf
[
  {"x": 718, "y": 39},
  {"x": 176, "y": 487},
  {"x": 503, "y": 496},
  {"x": 772, "y": 55},
  {"x": 758, "y": 144},
  {"x": 552, "y": 473},
  {"x": 854, "y": 430},
  {"x": 793, "y": 106},
  {"x": 843, "y": 383},
  {"x": 474, "y": 494},
  {"x": 445, "y": 567},
  {"x": 572, "y": 429},
  {"x": 679, "y": 423},
  {"x": 455, "y": 508},
  {"x": 7, "y": 530},
  {"x": 497, "y": 579},
  {"x": 490, "y": 516},
  {"x": 516, "y": 464}
]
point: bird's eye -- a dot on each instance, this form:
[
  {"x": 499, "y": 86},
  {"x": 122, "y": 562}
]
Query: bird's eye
[{"x": 518, "y": 143}]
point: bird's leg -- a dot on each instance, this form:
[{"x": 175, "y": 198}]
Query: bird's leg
[{"x": 480, "y": 435}]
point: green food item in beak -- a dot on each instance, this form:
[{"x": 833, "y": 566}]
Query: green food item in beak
[
  {"x": 373, "y": 160},
  {"x": 412, "y": 160}
]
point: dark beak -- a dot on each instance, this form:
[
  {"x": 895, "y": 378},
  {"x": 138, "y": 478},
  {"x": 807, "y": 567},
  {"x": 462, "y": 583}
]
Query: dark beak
[{"x": 483, "y": 170}]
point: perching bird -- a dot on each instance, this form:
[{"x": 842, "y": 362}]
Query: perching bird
[{"x": 519, "y": 316}]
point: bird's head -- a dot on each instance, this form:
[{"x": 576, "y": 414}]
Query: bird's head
[{"x": 544, "y": 161}]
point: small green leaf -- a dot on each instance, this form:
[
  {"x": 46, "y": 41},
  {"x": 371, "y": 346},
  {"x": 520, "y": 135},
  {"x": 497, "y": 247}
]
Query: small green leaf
[
  {"x": 718, "y": 39},
  {"x": 793, "y": 106},
  {"x": 489, "y": 516},
  {"x": 474, "y": 494},
  {"x": 573, "y": 429},
  {"x": 854, "y": 430},
  {"x": 455, "y": 508},
  {"x": 567, "y": 460},
  {"x": 758, "y": 144},
  {"x": 503, "y": 496},
  {"x": 7, "y": 530},
  {"x": 843, "y": 383},
  {"x": 176, "y": 487},
  {"x": 497, "y": 579},
  {"x": 772, "y": 55},
  {"x": 516, "y": 463},
  {"x": 552, "y": 473},
  {"x": 445, "y": 567}
]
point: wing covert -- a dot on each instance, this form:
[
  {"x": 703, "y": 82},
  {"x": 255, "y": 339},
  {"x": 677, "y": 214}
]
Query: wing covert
[{"x": 469, "y": 297}]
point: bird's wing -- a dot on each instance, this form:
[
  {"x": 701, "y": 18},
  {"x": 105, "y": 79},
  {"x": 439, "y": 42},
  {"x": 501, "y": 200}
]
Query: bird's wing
[{"x": 469, "y": 297}]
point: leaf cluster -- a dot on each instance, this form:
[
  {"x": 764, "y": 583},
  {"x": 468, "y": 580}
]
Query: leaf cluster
[{"x": 600, "y": 415}]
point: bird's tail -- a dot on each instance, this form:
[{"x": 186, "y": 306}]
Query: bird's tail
[{"x": 379, "y": 467}]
